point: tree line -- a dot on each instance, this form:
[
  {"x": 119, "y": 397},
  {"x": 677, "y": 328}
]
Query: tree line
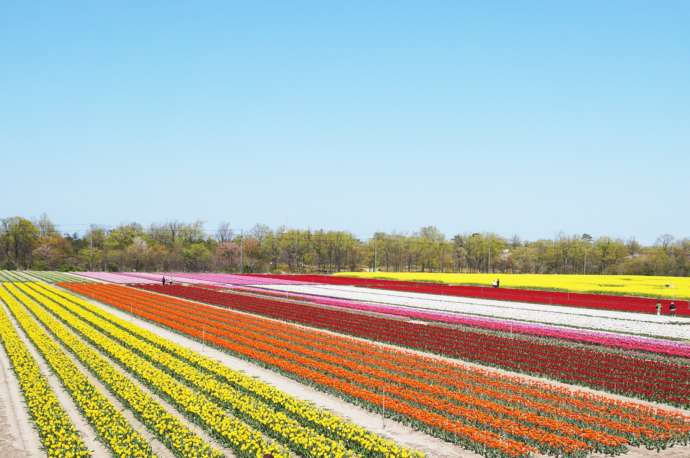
[{"x": 180, "y": 246}]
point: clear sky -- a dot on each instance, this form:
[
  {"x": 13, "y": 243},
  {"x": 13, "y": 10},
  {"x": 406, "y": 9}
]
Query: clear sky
[{"x": 516, "y": 117}]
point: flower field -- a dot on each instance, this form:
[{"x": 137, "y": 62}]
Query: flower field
[
  {"x": 493, "y": 414},
  {"x": 113, "y": 277},
  {"x": 142, "y": 394},
  {"x": 607, "y": 339},
  {"x": 641, "y": 325},
  {"x": 218, "y": 278},
  {"x": 243, "y": 279},
  {"x": 626, "y": 373},
  {"x": 58, "y": 434},
  {"x": 621, "y": 303},
  {"x": 636, "y": 285},
  {"x": 33, "y": 275},
  {"x": 191, "y": 404}
]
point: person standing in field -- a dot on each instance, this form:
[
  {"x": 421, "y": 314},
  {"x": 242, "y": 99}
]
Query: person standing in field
[
  {"x": 163, "y": 281},
  {"x": 658, "y": 308},
  {"x": 672, "y": 308}
]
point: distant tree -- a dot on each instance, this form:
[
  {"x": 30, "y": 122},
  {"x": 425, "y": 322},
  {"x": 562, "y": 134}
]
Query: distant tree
[
  {"x": 45, "y": 226},
  {"x": 196, "y": 257},
  {"x": 20, "y": 238},
  {"x": 53, "y": 252},
  {"x": 176, "y": 245},
  {"x": 137, "y": 253},
  {"x": 224, "y": 232},
  {"x": 227, "y": 257},
  {"x": 515, "y": 242},
  {"x": 120, "y": 238},
  {"x": 664, "y": 241}
]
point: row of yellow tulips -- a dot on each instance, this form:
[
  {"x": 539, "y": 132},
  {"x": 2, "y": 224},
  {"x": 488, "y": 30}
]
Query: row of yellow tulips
[
  {"x": 303, "y": 440},
  {"x": 245, "y": 440},
  {"x": 58, "y": 435},
  {"x": 112, "y": 427},
  {"x": 169, "y": 429},
  {"x": 329, "y": 424}
]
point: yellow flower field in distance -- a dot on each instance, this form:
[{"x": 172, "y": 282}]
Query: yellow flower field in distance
[{"x": 638, "y": 285}]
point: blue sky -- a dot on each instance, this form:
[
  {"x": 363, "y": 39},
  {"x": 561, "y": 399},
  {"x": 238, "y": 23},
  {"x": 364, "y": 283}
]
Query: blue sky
[{"x": 525, "y": 118}]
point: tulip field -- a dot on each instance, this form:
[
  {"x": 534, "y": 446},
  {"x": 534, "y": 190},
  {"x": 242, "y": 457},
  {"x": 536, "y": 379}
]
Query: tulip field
[
  {"x": 119, "y": 364},
  {"x": 626, "y": 373},
  {"x": 166, "y": 387},
  {"x": 49, "y": 277},
  {"x": 623, "y": 303},
  {"x": 607, "y": 339},
  {"x": 459, "y": 403}
]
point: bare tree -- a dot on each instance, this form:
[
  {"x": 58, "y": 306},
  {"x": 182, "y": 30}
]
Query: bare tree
[{"x": 224, "y": 232}]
